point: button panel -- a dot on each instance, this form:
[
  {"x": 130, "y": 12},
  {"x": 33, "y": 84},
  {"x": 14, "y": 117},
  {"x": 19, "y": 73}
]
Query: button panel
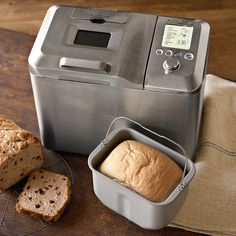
[
  {"x": 188, "y": 56},
  {"x": 159, "y": 51},
  {"x": 168, "y": 53},
  {"x": 173, "y": 58}
]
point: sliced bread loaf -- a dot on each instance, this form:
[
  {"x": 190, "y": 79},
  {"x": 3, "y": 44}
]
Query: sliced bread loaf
[
  {"x": 20, "y": 153},
  {"x": 45, "y": 195}
]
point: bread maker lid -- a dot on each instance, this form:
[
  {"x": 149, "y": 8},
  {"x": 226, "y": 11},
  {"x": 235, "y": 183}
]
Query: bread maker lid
[{"x": 70, "y": 46}]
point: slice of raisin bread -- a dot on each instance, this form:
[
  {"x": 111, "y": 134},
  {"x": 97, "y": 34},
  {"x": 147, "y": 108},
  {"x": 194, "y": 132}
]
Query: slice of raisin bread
[
  {"x": 45, "y": 195},
  {"x": 20, "y": 153}
]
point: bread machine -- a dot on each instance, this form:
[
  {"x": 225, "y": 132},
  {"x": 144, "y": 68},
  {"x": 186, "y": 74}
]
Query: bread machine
[{"x": 88, "y": 66}]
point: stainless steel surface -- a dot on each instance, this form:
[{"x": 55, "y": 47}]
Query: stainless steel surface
[
  {"x": 74, "y": 116},
  {"x": 147, "y": 214},
  {"x": 79, "y": 90},
  {"x": 128, "y": 41},
  {"x": 107, "y": 14}
]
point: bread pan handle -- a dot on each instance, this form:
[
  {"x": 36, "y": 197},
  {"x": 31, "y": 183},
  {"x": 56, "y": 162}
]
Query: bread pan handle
[{"x": 182, "y": 182}]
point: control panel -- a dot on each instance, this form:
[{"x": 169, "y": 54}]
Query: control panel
[
  {"x": 173, "y": 58},
  {"x": 173, "y": 52}
]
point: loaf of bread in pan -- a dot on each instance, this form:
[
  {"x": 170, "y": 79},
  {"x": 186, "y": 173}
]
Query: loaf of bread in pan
[
  {"x": 45, "y": 195},
  {"x": 143, "y": 169},
  {"x": 20, "y": 153}
]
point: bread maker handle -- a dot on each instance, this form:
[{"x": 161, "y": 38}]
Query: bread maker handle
[
  {"x": 74, "y": 63},
  {"x": 182, "y": 182}
]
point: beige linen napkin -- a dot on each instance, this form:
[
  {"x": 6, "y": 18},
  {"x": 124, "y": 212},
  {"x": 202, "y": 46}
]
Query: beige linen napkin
[{"x": 210, "y": 206}]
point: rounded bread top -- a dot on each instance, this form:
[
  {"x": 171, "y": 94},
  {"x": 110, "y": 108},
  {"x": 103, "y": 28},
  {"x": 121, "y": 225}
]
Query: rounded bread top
[{"x": 146, "y": 170}]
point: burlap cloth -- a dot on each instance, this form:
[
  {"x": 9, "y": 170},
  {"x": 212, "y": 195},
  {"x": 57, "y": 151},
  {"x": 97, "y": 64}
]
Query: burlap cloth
[{"x": 210, "y": 206}]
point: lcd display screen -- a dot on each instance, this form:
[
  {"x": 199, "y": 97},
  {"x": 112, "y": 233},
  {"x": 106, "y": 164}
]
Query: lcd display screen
[
  {"x": 177, "y": 36},
  {"x": 92, "y": 38}
]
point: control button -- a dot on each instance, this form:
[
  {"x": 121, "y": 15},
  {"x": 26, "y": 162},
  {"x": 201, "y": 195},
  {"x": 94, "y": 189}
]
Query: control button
[
  {"x": 171, "y": 64},
  {"x": 168, "y": 53},
  {"x": 178, "y": 54},
  {"x": 159, "y": 51},
  {"x": 188, "y": 56}
]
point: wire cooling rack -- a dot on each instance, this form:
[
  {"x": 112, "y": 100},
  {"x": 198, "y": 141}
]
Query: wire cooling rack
[{"x": 14, "y": 224}]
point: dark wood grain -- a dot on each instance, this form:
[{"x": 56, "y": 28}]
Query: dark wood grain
[{"x": 86, "y": 215}]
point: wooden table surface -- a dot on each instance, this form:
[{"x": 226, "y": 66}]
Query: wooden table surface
[{"x": 86, "y": 214}]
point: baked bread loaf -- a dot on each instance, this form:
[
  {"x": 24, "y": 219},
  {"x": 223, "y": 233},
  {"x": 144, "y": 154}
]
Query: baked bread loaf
[
  {"x": 143, "y": 169},
  {"x": 20, "y": 153},
  {"x": 45, "y": 195}
]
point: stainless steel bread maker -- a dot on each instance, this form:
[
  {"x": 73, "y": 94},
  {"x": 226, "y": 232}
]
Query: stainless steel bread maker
[{"x": 88, "y": 66}]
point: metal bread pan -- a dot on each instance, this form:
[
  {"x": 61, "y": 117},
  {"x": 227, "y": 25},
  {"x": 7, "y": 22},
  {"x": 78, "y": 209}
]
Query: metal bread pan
[{"x": 124, "y": 201}]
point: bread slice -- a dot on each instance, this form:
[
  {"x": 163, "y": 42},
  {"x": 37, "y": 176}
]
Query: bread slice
[
  {"x": 45, "y": 195},
  {"x": 20, "y": 153},
  {"x": 148, "y": 171}
]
